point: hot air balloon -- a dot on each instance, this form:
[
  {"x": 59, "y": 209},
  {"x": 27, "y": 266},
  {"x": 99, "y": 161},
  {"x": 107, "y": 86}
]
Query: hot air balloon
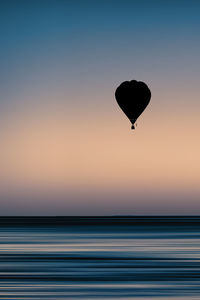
[{"x": 133, "y": 97}]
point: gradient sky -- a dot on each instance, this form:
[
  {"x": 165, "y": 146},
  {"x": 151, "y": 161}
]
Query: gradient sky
[{"x": 66, "y": 148}]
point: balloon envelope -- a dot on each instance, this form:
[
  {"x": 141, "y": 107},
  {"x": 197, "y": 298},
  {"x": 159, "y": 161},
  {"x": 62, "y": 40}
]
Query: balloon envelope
[{"x": 133, "y": 97}]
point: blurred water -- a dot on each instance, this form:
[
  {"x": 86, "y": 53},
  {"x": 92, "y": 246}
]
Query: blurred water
[{"x": 104, "y": 258}]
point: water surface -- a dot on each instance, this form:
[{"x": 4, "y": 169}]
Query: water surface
[{"x": 100, "y": 257}]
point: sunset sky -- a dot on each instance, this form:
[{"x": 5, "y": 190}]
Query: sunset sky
[{"x": 66, "y": 147}]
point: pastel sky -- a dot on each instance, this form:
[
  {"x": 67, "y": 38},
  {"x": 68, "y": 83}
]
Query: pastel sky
[{"x": 66, "y": 148}]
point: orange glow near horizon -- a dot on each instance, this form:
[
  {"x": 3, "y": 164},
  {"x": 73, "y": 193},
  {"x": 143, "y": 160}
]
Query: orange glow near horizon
[{"x": 54, "y": 153}]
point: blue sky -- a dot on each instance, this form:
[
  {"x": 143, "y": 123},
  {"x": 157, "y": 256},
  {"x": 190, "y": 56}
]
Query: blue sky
[{"x": 61, "y": 62}]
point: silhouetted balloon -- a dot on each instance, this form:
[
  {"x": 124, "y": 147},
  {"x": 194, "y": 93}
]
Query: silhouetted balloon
[{"x": 133, "y": 97}]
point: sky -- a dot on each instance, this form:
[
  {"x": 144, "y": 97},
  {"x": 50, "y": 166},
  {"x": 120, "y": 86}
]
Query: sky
[{"x": 66, "y": 147}]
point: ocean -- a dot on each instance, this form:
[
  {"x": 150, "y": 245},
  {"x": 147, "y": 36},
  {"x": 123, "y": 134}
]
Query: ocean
[{"x": 119, "y": 257}]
